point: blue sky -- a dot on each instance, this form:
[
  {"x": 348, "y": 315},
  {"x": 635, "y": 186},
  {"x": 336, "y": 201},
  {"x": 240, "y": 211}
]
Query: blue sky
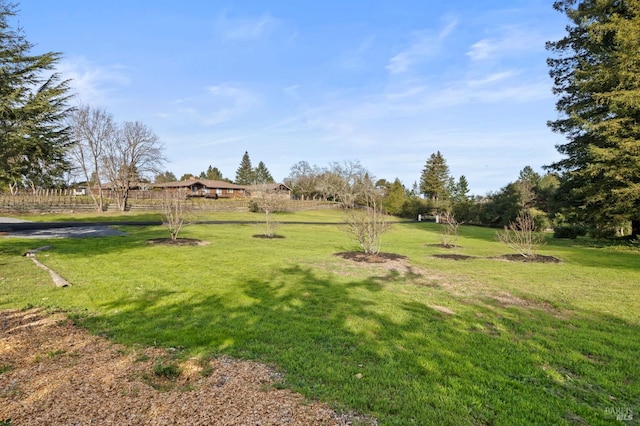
[{"x": 386, "y": 83}]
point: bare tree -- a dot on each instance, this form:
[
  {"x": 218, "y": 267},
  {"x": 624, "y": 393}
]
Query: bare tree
[
  {"x": 92, "y": 129},
  {"x": 303, "y": 179},
  {"x": 269, "y": 199},
  {"x": 520, "y": 236},
  {"x": 135, "y": 151},
  {"x": 449, "y": 236},
  {"x": 366, "y": 219},
  {"x": 174, "y": 211}
]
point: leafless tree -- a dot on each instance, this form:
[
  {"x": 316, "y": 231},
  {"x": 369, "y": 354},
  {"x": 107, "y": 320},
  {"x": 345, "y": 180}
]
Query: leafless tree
[
  {"x": 449, "y": 230},
  {"x": 269, "y": 199},
  {"x": 174, "y": 211},
  {"x": 520, "y": 236},
  {"x": 134, "y": 153},
  {"x": 92, "y": 129},
  {"x": 361, "y": 201}
]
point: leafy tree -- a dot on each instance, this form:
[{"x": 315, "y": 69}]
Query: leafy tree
[
  {"x": 212, "y": 173},
  {"x": 435, "y": 180},
  {"x": 165, "y": 177},
  {"x": 460, "y": 191},
  {"x": 245, "y": 174},
  {"x": 595, "y": 69},
  {"x": 33, "y": 105},
  {"x": 504, "y": 206},
  {"x": 395, "y": 197},
  {"x": 186, "y": 176},
  {"x": 262, "y": 175}
]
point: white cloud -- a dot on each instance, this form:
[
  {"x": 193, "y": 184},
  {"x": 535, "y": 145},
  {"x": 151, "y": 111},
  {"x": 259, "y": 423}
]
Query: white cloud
[
  {"x": 425, "y": 44},
  {"x": 219, "y": 104},
  {"x": 93, "y": 83},
  {"x": 509, "y": 40},
  {"x": 492, "y": 78},
  {"x": 247, "y": 28}
]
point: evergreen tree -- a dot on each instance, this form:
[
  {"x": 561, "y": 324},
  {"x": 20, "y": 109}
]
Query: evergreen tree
[
  {"x": 212, "y": 173},
  {"x": 395, "y": 197},
  {"x": 435, "y": 181},
  {"x": 33, "y": 105},
  {"x": 460, "y": 192},
  {"x": 595, "y": 72},
  {"x": 164, "y": 177},
  {"x": 262, "y": 175},
  {"x": 245, "y": 173}
]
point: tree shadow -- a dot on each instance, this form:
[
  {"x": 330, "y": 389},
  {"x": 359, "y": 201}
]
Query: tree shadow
[{"x": 336, "y": 341}]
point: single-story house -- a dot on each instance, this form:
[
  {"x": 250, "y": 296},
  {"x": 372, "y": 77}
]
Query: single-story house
[
  {"x": 195, "y": 187},
  {"x": 282, "y": 190}
]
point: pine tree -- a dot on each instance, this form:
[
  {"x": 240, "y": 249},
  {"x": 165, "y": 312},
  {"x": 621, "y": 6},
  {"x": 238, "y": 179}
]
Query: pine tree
[
  {"x": 595, "y": 72},
  {"x": 435, "y": 180},
  {"x": 262, "y": 175},
  {"x": 460, "y": 192},
  {"x": 212, "y": 173},
  {"x": 395, "y": 197},
  {"x": 245, "y": 172},
  {"x": 33, "y": 105}
]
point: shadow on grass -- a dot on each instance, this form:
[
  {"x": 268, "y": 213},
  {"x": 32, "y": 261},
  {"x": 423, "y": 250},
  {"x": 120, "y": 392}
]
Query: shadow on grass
[{"x": 413, "y": 364}]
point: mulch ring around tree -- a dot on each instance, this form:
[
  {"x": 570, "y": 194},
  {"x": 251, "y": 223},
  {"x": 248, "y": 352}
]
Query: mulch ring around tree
[
  {"x": 508, "y": 257},
  {"x": 358, "y": 256},
  {"x": 538, "y": 258},
  {"x": 268, "y": 237},
  {"x": 178, "y": 242},
  {"x": 454, "y": 256},
  {"x": 443, "y": 245}
]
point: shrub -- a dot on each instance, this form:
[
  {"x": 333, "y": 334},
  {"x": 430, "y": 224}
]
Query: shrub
[
  {"x": 520, "y": 236},
  {"x": 569, "y": 231},
  {"x": 541, "y": 221}
]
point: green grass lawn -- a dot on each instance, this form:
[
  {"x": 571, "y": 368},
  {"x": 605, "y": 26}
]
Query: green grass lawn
[{"x": 429, "y": 341}]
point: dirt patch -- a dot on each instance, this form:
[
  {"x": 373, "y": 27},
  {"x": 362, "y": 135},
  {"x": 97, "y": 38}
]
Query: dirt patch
[
  {"x": 442, "y": 309},
  {"x": 533, "y": 259},
  {"x": 178, "y": 242},
  {"x": 358, "y": 256},
  {"x": 268, "y": 237},
  {"x": 52, "y": 372},
  {"x": 454, "y": 256},
  {"x": 442, "y": 245}
]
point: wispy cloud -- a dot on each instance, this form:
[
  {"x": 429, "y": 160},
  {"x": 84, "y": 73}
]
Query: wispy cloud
[
  {"x": 246, "y": 28},
  {"x": 509, "y": 40},
  {"x": 424, "y": 44},
  {"x": 219, "y": 104},
  {"x": 91, "y": 82}
]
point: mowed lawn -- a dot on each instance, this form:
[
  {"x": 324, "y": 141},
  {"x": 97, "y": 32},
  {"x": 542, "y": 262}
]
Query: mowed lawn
[{"x": 426, "y": 341}]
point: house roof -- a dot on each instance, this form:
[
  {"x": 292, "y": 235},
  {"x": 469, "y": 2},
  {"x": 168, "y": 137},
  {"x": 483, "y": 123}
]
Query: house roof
[
  {"x": 211, "y": 184},
  {"x": 268, "y": 187}
]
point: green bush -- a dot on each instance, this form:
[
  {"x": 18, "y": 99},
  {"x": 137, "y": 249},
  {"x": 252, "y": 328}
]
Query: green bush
[
  {"x": 541, "y": 221},
  {"x": 569, "y": 231}
]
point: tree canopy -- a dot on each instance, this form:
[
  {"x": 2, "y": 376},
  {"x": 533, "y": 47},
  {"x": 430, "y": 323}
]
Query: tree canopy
[
  {"x": 245, "y": 174},
  {"x": 261, "y": 174},
  {"x": 435, "y": 182},
  {"x": 596, "y": 73},
  {"x": 33, "y": 105}
]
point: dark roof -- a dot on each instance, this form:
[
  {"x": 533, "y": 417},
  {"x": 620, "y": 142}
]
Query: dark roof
[
  {"x": 211, "y": 184},
  {"x": 268, "y": 187}
]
